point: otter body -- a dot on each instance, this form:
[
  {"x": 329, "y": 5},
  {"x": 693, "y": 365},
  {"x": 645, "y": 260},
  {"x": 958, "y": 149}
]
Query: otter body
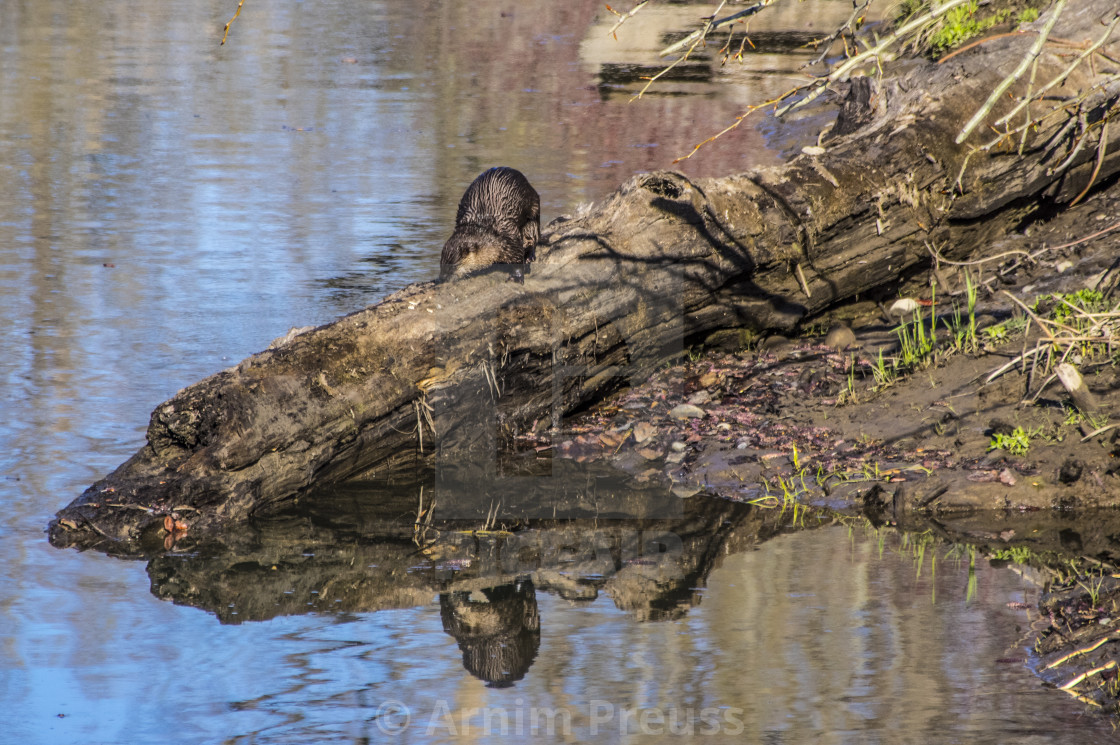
[{"x": 498, "y": 222}]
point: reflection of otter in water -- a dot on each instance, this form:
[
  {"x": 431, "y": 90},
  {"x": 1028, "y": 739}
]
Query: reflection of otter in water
[
  {"x": 498, "y": 222},
  {"x": 499, "y": 638}
]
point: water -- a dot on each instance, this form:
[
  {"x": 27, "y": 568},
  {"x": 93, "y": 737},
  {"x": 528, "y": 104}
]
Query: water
[{"x": 168, "y": 206}]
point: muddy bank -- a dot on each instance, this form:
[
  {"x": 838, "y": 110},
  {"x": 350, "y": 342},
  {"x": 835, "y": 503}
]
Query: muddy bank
[
  {"x": 810, "y": 418},
  {"x": 1005, "y": 464}
]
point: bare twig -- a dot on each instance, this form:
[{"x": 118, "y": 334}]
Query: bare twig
[
  {"x": 1081, "y": 122},
  {"x": 712, "y": 25},
  {"x": 1060, "y": 78},
  {"x": 738, "y": 120},
  {"x": 230, "y": 22},
  {"x": 1097, "y": 234},
  {"x": 1000, "y": 89},
  {"x": 1101, "y": 147},
  {"x": 874, "y": 53},
  {"x": 973, "y": 44},
  {"x": 683, "y": 57},
  {"x": 941, "y": 259},
  {"x": 827, "y": 42},
  {"x": 624, "y": 17}
]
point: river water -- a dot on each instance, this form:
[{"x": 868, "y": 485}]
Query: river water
[{"x": 169, "y": 205}]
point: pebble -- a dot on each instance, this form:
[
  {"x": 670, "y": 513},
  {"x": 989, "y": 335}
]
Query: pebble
[
  {"x": 777, "y": 345},
  {"x": 700, "y": 397},
  {"x": 723, "y": 427},
  {"x": 840, "y": 337},
  {"x": 687, "y": 411},
  {"x": 904, "y": 306},
  {"x": 678, "y": 446},
  {"x": 773, "y": 342}
]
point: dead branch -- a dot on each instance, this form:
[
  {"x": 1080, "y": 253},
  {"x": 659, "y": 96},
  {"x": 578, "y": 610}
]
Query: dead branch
[
  {"x": 623, "y": 18},
  {"x": 229, "y": 23}
]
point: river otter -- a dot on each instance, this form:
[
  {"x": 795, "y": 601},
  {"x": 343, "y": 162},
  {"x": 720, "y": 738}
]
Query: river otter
[{"x": 498, "y": 222}]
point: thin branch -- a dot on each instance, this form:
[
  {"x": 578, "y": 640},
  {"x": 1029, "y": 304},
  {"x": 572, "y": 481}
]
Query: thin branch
[
  {"x": 978, "y": 42},
  {"x": 1063, "y": 75},
  {"x": 827, "y": 42},
  {"x": 623, "y": 18},
  {"x": 1000, "y": 89},
  {"x": 1097, "y": 234},
  {"x": 738, "y": 120},
  {"x": 1082, "y": 120},
  {"x": 873, "y": 53},
  {"x": 1062, "y": 107},
  {"x": 683, "y": 57},
  {"x": 699, "y": 34},
  {"x": 230, "y": 23},
  {"x": 1101, "y": 147}
]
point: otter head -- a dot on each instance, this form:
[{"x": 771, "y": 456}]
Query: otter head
[{"x": 472, "y": 249}]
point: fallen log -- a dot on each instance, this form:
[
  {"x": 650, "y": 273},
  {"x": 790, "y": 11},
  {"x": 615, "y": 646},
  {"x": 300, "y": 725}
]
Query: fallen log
[{"x": 438, "y": 375}]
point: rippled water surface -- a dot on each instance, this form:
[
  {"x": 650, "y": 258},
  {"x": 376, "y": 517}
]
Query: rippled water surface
[{"x": 168, "y": 206}]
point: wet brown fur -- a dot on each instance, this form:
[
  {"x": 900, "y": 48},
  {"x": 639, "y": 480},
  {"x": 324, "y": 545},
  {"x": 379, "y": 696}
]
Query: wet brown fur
[{"x": 498, "y": 222}]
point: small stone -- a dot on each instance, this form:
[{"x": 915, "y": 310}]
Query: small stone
[
  {"x": 773, "y": 342},
  {"x": 840, "y": 337},
  {"x": 709, "y": 379},
  {"x": 742, "y": 445},
  {"x": 723, "y": 427},
  {"x": 984, "y": 320},
  {"x": 687, "y": 411},
  {"x": 777, "y": 345},
  {"x": 1006, "y": 477},
  {"x": 904, "y": 306},
  {"x": 643, "y": 431},
  {"x": 700, "y": 397},
  {"x": 813, "y": 150},
  {"x": 1064, "y": 266},
  {"x": 678, "y": 446},
  {"x": 683, "y": 491}
]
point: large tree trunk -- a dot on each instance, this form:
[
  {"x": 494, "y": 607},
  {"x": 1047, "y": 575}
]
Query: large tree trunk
[{"x": 437, "y": 375}]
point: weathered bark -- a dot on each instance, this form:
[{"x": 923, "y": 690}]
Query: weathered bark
[{"x": 435, "y": 374}]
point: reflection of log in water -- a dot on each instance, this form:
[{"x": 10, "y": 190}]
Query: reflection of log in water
[
  {"x": 498, "y": 630},
  {"x": 355, "y": 554}
]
